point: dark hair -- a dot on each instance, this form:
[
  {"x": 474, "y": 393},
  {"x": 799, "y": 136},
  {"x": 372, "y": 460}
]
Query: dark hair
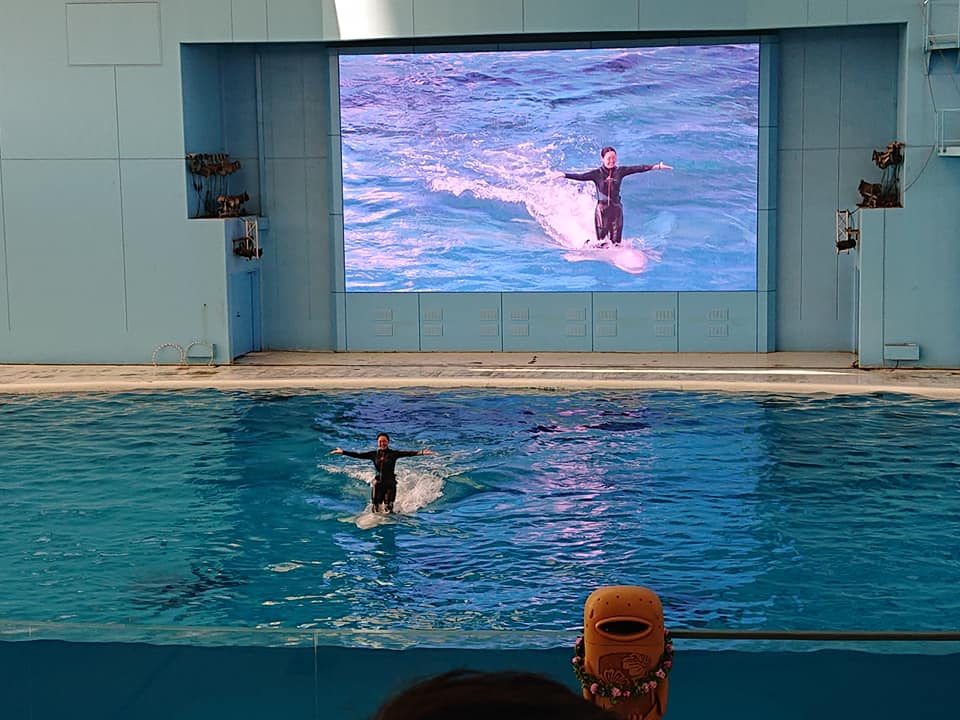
[
  {"x": 471, "y": 695},
  {"x": 380, "y": 435},
  {"x": 606, "y": 150}
]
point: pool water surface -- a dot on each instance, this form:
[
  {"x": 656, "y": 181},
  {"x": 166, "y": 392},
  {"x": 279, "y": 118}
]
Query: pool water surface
[{"x": 226, "y": 509}]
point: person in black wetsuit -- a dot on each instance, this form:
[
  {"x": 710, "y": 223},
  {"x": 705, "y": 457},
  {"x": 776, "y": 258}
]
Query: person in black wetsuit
[
  {"x": 384, "y": 491},
  {"x": 609, "y": 214}
]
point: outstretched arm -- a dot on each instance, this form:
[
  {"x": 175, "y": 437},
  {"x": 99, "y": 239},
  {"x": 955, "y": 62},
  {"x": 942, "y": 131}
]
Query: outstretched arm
[
  {"x": 633, "y": 169},
  {"x": 580, "y": 176},
  {"x": 411, "y": 453},
  {"x": 349, "y": 453}
]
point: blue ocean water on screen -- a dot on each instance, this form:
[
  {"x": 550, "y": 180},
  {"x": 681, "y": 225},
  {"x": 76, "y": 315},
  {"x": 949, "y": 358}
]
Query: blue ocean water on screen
[
  {"x": 227, "y": 509},
  {"x": 447, "y": 160}
]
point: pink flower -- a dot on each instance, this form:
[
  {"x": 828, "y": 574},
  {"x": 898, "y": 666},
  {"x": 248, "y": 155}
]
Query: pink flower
[
  {"x": 615, "y": 692},
  {"x": 594, "y": 688},
  {"x": 668, "y": 664},
  {"x": 653, "y": 684},
  {"x": 645, "y": 687},
  {"x": 579, "y": 642},
  {"x": 626, "y": 693},
  {"x": 661, "y": 674},
  {"x": 575, "y": 660}
]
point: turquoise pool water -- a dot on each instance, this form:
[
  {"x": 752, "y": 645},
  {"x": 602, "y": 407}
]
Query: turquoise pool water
[{"x": 226, "y": 509}]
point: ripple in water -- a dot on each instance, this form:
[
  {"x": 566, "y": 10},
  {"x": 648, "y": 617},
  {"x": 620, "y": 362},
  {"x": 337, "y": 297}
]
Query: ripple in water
[{"x": 226, "y": 509}]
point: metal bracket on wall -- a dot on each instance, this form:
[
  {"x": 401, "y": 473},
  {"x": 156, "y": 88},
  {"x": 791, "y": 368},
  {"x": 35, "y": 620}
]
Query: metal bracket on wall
[
  {"x": 248, "y": 245},
  {"x": 941, "y": 29},
  {"x": 948, "y": 132},
  {"x": 199, "y": 350},
  {"x": 848, "y": 234},
  {"x": 181, "y": 353}
]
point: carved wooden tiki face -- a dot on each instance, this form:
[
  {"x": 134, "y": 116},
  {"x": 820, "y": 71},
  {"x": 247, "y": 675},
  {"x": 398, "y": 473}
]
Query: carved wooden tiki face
[{"x": 624, "y": 639}]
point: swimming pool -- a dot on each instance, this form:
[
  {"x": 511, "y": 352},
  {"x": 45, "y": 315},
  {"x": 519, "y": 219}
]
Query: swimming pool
[{"x": 226, "y": 509}]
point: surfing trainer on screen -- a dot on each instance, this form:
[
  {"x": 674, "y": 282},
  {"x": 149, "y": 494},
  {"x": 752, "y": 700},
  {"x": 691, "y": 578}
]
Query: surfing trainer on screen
[
  {"x": 384, "y": 491},
  {"x": 608, "y": 217}
]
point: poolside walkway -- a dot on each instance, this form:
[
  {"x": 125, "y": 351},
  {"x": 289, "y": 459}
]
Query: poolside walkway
[{"x": 773, "y": 372}]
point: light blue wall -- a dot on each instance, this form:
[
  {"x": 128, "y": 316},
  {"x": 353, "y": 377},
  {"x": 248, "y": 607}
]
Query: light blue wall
[
  {"x": 220, "y": 114},
  {"x": 202, "y": 99},
  {"x": 767, "y": 184},
  {"x": 381, "y": 321},
  {"x": 515, "y": 322},
  {"x": 838, "y": 102},
  {"x": 461, "y": 321},
  {"x": 647, "y": 320},
  {"x": 5, "y": 340},
  {"x": 100, "y": 264},
  {"x": 547, "y": 321},
  {"x": 298, "y": 274},
  {"x": 100, "y": 261},
  {"x": 910, "y": 257},
  {"x": 240, "y": 133}
]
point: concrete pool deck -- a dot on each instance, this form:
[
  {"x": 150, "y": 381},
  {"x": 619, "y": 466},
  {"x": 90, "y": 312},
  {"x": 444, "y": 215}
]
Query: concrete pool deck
[{"x": 803, "y": 373}]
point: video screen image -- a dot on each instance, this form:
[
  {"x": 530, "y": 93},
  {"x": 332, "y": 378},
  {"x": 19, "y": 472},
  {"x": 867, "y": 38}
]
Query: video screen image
[{"x": 482, "y": 171}]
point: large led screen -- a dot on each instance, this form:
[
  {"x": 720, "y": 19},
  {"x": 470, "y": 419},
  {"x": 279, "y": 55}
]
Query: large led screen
[{"x": 482, "y": 171}]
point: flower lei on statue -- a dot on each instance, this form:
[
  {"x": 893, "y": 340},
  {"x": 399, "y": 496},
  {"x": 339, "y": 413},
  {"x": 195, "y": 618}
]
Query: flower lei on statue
[{"x": 637, "y": 688}]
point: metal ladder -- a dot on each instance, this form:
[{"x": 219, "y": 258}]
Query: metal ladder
[{"x": 941, "y": 28}]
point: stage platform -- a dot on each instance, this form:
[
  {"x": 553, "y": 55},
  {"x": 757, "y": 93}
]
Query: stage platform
[{"x": 734, "y": 372}]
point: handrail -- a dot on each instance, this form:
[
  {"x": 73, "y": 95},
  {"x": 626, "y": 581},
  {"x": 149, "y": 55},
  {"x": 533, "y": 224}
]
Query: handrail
[
  {"x": 840, "y": 635},
  {"x": 943, "y": 139},
  {"x": 28, "y": 627},
  {"x": 175, "y": 346},
  {"x": 199, "y": 343},
  {"x": 931, "y": 38}
]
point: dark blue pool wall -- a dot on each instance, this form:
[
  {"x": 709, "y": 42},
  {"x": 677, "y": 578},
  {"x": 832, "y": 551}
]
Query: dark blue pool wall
[{"x": 50, "y": 680}]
